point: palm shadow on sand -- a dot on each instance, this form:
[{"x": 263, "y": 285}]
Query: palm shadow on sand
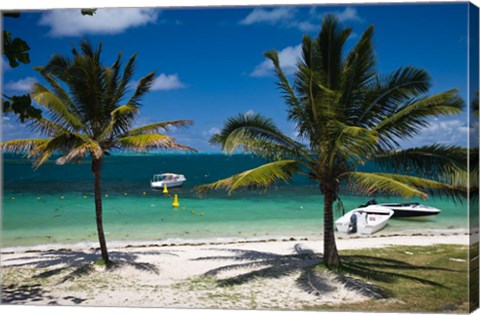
[
  {"x": 71, "y": 265},
  {"x": 355, "y": 274}
]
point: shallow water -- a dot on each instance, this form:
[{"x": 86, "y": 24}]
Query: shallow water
[{"x": 54, "y": 204}]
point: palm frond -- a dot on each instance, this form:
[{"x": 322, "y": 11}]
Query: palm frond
[
  {"x": 144, "y": 142},
  {"x": 407, "y": 121},
  {"x": 46, "y": 127},
  {"x": 22, "y": 145},
  {"x": 260, "y": 177},
  {"x": 283, "y": 83},
  {"x": 399, "y": 185},
  {"x": 358, "y": 68},
  {"x": 248, "y": 129},
  {"x": 330, "y": 43},
  {"x": 156, "y": 127},
  {"x": 58, "y": 110},
  {"x": 382, "y": 95},
  {"x": 79, "y": 152},
  {"x": 352, "y": 141},
  {"x": 443, "y": 162},
  {"x": 120, "y": 122},
  {"x": 142, "y": 88}
]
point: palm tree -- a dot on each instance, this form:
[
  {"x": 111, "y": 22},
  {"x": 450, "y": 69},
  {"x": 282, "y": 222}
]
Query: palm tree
[
  {"x": 347, "y": 115},
  {"x": 91, "y": 117}
]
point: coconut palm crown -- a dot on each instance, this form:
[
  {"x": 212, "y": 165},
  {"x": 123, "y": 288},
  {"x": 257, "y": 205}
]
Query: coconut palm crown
[
  {"x": 87, "y": 114},
  {"x": 347, "y": 115}
]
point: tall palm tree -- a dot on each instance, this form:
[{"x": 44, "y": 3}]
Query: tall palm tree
[
  {"x": 347, "y": 115},
  {"x": 87, "y": 114}
]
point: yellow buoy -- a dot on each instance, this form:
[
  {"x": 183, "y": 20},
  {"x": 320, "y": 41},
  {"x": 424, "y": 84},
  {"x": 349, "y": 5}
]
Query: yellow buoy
[
  {"x": 193, "y": 212},
  {"x": 106, "y": 195},
  {"x": 62, "y": 197},
  {"x": 165, "y": 190},
  {"x": 13, "y": 198},
  {"x": 144, "y": 193},
  {"x": 202, "y": 214},
  {"x": 175, "y": 201}
]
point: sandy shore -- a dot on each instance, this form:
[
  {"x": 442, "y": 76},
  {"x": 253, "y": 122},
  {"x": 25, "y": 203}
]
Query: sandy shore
[{"x": 267, "y": 274}]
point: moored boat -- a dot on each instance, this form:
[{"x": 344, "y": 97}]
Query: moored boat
[
  {"x": 167, "y": 179},
  {"x": 406, "y": 210},
  {"x": 366, "y": 220}
]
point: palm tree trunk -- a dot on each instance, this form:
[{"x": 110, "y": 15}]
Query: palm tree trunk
[
  {"x": 330, "y": 253},
  {"x": 97, "y": 169}
]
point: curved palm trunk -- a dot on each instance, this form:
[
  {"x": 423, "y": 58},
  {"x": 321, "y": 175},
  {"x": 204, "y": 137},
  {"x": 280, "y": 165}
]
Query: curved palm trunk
[
  {"x": 330, "y": 253},
  {"x": 96, "y": 169}
]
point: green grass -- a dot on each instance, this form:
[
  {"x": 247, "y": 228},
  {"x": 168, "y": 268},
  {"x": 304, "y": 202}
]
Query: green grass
[{"x": 411, "y": 279}]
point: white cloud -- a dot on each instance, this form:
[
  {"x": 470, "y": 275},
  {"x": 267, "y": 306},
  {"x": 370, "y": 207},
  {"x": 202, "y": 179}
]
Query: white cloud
[
  {"x": 167, "y": 82},
  {"x": 71, "y": 22},
  {"x": 446, "y": 132},
  {"x": 349, "y": 14},
  {"x": 288, "y": 60},
  {"x": 289, "y": 17},
  {"x": 22, "y": 85},
  {"x": 273, "y": 16}
]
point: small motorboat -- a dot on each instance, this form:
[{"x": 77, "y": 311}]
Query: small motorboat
[
  {"x": 406, "y": 210},
  {"x": 365, "y": 221},
  {"x": 168, "y": 179}
]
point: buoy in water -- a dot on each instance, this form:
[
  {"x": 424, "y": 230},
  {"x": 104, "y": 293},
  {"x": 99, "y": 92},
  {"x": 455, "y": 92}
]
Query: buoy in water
[
  {"x": 193, "y": 212},
  {"x": 125, "y": 194},
  {"x": 144, "y": 193},
  {"x": 61, "y": 197},
  {"x": 165, "y": 190},
  {"x": 175, "y": 201},
  {"x": 106, "y": 195},
  {"x": 13, "y": 198},
  {"x": 202, "y": 214}
]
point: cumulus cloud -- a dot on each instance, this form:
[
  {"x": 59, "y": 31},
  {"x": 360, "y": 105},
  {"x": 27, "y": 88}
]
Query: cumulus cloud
[
  {"x": 70, "y": 22},
  {"x": 446, "y": 132},
  {"x": 349, "y": 14},
  {"x": 273, "y": 16},
  {"x": 22, "y": 85},
  {"x": 288, "y": 57},
  {"x": 289, "y": 17},
  {"x": 167, "y": 82},
  {"x": 163, "y": 82}
]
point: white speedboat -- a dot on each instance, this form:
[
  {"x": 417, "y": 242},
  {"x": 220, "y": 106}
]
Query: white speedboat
[
  {"x": 366, "y": 220},
  {"x": 406, "y": 210},
  {"x": 168, "y": 179}
]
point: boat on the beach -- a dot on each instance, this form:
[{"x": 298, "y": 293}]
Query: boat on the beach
[
  {"x": 365, "y": 221},
  {"x": 406, "y": 210},
  {"x": 168, "y": 179}
]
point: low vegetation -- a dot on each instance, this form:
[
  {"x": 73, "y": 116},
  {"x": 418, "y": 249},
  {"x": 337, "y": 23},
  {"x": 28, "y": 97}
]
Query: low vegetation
[{"x": 410, "y": 278}]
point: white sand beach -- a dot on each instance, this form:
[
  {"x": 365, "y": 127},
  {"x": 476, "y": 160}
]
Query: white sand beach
[{"x": 267, "y": 274}]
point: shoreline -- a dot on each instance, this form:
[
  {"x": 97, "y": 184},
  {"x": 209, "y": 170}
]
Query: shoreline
[
  {"x": 268, "y": 274},
  {"x": 457, "y": 234}
]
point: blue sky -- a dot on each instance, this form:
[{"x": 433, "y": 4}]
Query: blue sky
[{"x": 210, "y": 64}]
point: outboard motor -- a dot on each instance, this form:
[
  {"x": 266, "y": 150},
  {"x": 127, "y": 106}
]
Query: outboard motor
[{"x": 352, "y": 227}]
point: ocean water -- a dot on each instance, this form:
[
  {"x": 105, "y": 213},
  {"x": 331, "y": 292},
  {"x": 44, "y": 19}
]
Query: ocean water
[{"x": 54, "y": 204}]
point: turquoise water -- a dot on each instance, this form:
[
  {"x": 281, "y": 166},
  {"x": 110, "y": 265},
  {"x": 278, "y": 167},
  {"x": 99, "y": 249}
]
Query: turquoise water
[{"x": 54, "y": 204}]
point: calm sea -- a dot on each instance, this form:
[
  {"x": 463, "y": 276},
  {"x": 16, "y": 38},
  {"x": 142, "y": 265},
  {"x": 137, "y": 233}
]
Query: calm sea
[{"x": 54, "y": 204}]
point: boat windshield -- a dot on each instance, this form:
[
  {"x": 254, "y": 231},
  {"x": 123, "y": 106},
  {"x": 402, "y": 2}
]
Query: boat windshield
[{"x": 164, "y": 178}]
